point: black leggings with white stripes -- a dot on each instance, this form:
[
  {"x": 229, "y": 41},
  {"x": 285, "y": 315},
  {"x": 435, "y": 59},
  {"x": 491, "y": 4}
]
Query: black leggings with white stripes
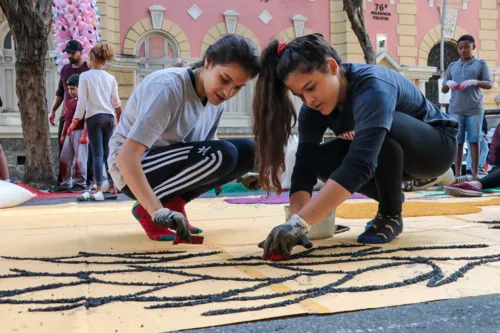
[{"x": 191, "y": 169}]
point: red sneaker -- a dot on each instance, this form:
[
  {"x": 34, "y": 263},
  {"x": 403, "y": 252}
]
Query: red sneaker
[{"x": 467, "y": 189}]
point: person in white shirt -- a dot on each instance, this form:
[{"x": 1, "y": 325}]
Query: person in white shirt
[
  {"x": 165, "y": 151},
  {"x": 100, "y": 104}
]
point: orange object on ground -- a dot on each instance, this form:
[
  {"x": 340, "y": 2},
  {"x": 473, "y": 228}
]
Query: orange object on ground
[
  {"x": 194, "y": 240},
  {"x": 273, "y": 256}
]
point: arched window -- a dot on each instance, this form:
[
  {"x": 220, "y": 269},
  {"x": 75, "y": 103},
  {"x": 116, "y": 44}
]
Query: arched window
[
  {"x": 8, "y": 73},
  {"x": 8, "y": 42},
  {"x": 156, "y": 47},
  {"x": 155, "y": 51},
  {"x": 450, "y": 55}
]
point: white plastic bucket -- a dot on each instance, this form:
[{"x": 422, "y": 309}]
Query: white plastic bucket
[{"x": 321, "y": 230}]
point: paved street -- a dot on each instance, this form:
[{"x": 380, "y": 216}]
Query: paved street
[{"x": 465, "y": 315}]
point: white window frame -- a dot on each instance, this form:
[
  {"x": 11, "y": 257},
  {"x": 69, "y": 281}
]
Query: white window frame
[{"x": 148, "y": 65}]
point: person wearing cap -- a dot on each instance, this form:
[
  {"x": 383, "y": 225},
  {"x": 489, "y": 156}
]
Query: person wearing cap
[{"x": 76, "y": 66}]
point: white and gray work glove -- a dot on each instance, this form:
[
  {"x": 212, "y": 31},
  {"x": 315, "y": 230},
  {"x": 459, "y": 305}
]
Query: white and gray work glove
[
  {"x": 452, "y": 84},
  {"x": 250, "y": 181},
  {"x": 468, "y": 83},
  {"x": 284, "y": 237},
  {"x": 176, "y": 221}
]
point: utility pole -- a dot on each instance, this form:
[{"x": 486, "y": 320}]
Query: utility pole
[{"x": 441, "y": 50}]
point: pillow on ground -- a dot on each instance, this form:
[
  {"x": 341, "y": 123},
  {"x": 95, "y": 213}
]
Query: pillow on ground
[{"x": 12, "y": 195}]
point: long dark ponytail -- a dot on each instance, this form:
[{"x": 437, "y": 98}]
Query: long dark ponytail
[{"x": 274, "y": 114}]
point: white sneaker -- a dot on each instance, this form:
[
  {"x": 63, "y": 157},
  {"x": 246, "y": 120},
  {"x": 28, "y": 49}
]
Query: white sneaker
[
  {"x": 84, "y": 197},
  {"x": 98, "y": 196}
]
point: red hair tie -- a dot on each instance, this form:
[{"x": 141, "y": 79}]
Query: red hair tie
[{"x": 281, "y": 48}]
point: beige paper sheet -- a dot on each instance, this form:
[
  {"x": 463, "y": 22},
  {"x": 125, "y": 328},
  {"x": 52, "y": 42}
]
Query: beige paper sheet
[{"x": 409, "y": 275}]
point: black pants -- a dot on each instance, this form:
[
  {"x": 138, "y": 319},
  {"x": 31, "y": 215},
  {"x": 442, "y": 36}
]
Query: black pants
[
  {"x": 491, "y": 180},
  {"x": 100, "y": 128},
  {"x": 191, "y": 169},
  {"x": 90, "y": 167},
  {"x": 59, "y": 134},
  {"x": 412, "y": 149}
]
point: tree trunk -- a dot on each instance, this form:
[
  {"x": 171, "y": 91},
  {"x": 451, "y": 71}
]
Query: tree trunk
[
  {"x": 355, "y": 13},
  {"x": 30, "y": 85},
  {"x": 30, "y": 25}
]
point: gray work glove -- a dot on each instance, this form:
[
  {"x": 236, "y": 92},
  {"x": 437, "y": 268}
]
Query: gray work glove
[
  {"x": 176, "y": 221},
  {"x": 284, "y": 237},
  {"x": 250, "y": 181}
]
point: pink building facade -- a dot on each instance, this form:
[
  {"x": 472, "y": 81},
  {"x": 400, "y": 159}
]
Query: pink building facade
[
  {"x": 149, "y": 35},
  {"x": 405, "y": 34}
]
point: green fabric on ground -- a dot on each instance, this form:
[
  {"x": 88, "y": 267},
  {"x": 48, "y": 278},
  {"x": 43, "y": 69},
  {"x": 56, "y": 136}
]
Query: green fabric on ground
[{"x": 235, "y": 188}]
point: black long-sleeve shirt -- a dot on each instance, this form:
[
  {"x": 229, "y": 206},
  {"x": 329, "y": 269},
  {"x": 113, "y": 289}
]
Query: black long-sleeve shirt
[{"x": 374, "y": 94}]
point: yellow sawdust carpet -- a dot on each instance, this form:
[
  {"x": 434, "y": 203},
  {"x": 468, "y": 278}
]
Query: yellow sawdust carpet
[{"x": 413, "y": 209}]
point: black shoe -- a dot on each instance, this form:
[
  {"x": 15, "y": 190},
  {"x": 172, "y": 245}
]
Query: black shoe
[
  {"x": 77, "y": 189},
  {"x": 407, "y": 186},
  {"x": 383, "y": 229},
  {"x": 58, "y": 189},
  {"x": 423, "y": 183},
  {"x": 468, "y": 172}
]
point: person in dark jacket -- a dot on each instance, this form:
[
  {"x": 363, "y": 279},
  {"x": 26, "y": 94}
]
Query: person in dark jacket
[
  {"x": 492, "y": 180},
  {"x": 386, "y": 132},
  {"x": 494, "y": 157}
]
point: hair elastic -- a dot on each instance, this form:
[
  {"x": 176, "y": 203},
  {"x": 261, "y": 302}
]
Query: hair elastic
[{"x": 281, "y": 48}]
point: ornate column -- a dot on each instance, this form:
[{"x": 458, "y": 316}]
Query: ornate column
[{"x": 421, "y": 85}]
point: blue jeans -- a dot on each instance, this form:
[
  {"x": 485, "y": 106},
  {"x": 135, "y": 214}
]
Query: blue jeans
[
  {"x": 472, "y": 125},
  {"x": 483, "y": 147},
  {"x": 100, "y": 128}
]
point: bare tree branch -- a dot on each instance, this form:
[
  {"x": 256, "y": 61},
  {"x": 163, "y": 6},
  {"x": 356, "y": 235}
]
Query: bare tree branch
[
  {"x": 44, "y": 8},
  {"x": 10, "y": 8},
  {"x": 354, "y": 10}
]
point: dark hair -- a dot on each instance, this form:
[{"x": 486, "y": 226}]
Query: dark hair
[
  {"x": 103, "y": 52},
  {"x": 73, "y": 80},
  {"x": 233, "y": 49},
  {"x": 466, "y": 38},
  {"x": 274, "y": 114}
]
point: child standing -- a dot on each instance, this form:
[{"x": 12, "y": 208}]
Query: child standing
[
  {"x": 99, "y": 100},
  {"x": 74, "y": 145},
  {"x": 466, "y": 78}
]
